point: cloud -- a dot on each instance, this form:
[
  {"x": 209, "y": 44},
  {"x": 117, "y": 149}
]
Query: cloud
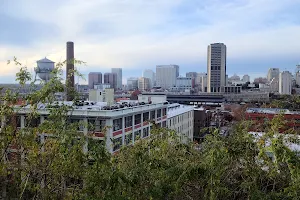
[{"x": 138, "y": 34}]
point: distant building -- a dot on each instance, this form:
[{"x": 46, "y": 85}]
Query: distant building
[
  {"x": 111, "y": 78},
  {"x": 132, "y": 83},
  {"x": 246, "y": 78},
  {"x": 183, "y": 83},
  {"x": 102, "y": 86},
  {"x": 260, "y": 80},
  {"x": 234, "y": 78},
  {"x": 144, "y": 84},
  {"x": 216, "y": 67},
  {"x": 148, "y": 73},
  {"x": 204, "y": 84},
  {"x": 191, "y": 74},
  {"x": 118, "y": 71},
  {"x": 106, "y": 95},
  {"x": 166, "y": 75},
  {"x": 274, "y": 85},
  {"x": 273, "y": 73},
  {"x": 285, "y": 82},
  {"x": 198, "y": 80},
  {"x": 94, "y": 78}
]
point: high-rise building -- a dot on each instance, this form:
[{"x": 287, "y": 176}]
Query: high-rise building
[
  {"x": 118, "y": 71},
  {"x": 94, "y": 78},
  {"x": 148, "y": 73},
  {"x": 143, "y": 83},
  {"x": 132, "y": 83},
  {"x": 111, "y": 78},
  {"x": 285, "y": 82},
  {"x": 166, "y": 75},
  {"x": 273, "y": 73},
  {"x": 216, "y": 67},
  {"x": 246, "y": 78}
]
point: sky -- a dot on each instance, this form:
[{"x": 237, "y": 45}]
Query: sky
[{"x": 140, "y": 34}]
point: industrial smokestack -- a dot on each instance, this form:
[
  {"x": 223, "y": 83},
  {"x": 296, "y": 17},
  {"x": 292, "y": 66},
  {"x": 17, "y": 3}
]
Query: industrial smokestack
[{"x": 70, "y": 71}]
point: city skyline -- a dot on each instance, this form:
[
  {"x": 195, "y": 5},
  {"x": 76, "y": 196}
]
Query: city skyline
[{"x": 259, "y": 35}]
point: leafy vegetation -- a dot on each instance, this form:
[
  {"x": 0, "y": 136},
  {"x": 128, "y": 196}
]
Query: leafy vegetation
[{"x": 47, "y": 161}]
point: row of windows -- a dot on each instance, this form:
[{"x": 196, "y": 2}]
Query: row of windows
[
  {"x": 117, "y": 142},
  {"x": 117, "y": 123}
]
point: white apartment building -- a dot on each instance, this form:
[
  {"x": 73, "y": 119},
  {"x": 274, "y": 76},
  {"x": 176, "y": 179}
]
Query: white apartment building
[
  {"x": 216, "y": 67},
  {"x": 285, "y": 82},
  {"x": 166, "y": 75},
  {"x": 124, "y": 125},
  {"x": 148, "y": 73},
  {"x": 273, "y": 73},
  {"x": 118, "y": 71},
  {"x": 143, "y": 83},
  {"x": 181, "y": 120}
]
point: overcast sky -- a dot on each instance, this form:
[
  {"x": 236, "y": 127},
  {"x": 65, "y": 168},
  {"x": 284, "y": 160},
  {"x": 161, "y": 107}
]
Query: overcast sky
[{"x": 140, "y": 34}]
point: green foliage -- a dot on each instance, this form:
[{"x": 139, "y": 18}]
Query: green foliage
[{"x": 238, "y": 166}]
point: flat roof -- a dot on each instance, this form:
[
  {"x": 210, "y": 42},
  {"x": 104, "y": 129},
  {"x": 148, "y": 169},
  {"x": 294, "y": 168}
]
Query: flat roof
[
  {"x": 93, "y": 109},
  {"x": 178, "y": 109}
]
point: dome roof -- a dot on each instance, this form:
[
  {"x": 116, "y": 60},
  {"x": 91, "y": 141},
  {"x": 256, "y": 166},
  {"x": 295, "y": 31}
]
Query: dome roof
[{"x": 44, "y": 60}]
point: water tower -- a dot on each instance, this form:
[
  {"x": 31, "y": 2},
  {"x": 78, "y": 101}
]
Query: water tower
[{"x": 44, "y": 69}]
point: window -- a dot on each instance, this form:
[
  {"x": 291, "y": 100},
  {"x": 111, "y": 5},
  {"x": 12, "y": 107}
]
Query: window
[
  {"x": 128, "y": 121},
  {"x": 32, "y": 121},
  {"x": 128, "y": 139},
  {"x": 117, "y": 143},
  {"x": 164, "y": 111},
  {"x": 95, "y": 125},
  {"x": 152, "y": 115},
  {"x": 137, "y": 119},
  {"x": 164, "y": 124},
  {"x": 158, "y": 113},
  {"x": 137, "y": 135},
  {"x": 117, "y": 124},
  {"x": 76, "y": 123},
  {"x": 145, "y": 132},
  {"x": 145, "y": 116}
]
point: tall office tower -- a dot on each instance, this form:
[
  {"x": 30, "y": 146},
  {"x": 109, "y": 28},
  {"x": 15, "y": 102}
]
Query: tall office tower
[
  {"x": 148, "y": 73},
  {"x": 166, "y": 75},
  {"x": 273, "y": 73},
  {"x": 285, "y": 82},
  {"x": 118, "y": 71},
  {"x": 111, "y": 78},
  {"x": 70, "y": 71},
  {"x": 216, "y": 67},
  {"x": 246, "y": 78},
  {"x": 143, "y": 83},
  {"x": 94, "y": 78},
  {"x": 132, "y": 83}
]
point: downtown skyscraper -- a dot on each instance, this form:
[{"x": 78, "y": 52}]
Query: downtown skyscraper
[
  {"x": 216, "y": 67},
  {"x": 118, "y": 71}
]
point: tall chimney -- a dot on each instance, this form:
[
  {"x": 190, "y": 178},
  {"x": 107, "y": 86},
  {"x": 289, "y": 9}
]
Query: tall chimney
[{"x": 70, "y": 71}]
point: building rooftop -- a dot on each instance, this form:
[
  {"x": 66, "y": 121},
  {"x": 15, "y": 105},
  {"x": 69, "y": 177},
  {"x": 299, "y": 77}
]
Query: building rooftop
[
  {"x": 178, "y": 109},
  {"x": 91, "y": 108}
]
